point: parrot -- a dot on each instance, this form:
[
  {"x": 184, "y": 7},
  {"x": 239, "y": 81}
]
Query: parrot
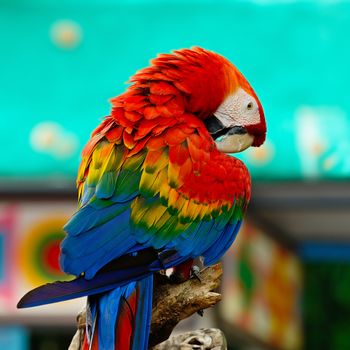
[{"x": 157, "y": 186}]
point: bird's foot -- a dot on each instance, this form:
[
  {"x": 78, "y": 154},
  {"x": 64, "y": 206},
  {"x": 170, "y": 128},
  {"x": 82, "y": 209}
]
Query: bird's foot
[
  {"x": 182, "y": 272},
  {"x": 200, "y": 312},
  {"x": 195, "y": 272}
]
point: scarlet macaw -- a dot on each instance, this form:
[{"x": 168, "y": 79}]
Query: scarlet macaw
[{"x": 156, "y": 189}]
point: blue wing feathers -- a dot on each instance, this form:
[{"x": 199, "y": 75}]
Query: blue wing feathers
[
  {"x": 94, "y": 238},
  {"x": 222, "y": 243},
  {"x": 80, "y": 253},
  {"x": 60, "y": 291},
  {"x": 107, "y": 255},
  {"x": 189, "y": 240},
  {"x": 89, "y": 217}
]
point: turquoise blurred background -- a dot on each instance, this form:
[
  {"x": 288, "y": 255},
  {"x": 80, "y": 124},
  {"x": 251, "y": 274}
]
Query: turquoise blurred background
[{"x": 60, "y": 62}]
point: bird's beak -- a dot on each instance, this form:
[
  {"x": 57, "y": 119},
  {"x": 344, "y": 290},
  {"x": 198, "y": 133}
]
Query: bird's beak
[
  {"x": 228, "y": 140},
  {"x": 234, "y": 142}
]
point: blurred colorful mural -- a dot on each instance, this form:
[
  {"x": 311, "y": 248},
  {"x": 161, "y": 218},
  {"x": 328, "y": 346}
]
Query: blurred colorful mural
[
  {"x": 262, "y": 289},
  {"x": 30, "y": 234}
]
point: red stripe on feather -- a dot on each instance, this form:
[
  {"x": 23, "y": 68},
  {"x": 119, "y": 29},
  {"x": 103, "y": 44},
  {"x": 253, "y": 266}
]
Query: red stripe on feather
[{"x": 125, "y": 323}]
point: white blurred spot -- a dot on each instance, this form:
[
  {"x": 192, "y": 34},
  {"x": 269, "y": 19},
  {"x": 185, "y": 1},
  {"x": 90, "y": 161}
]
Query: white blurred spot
[
  {"x": 309, "y": 139},
  {"x": 51, "y": 138},
  {"x": 66, "y": 34},
  {"x": 319, "y": 131},
  {"x": 44, "y": 135}
]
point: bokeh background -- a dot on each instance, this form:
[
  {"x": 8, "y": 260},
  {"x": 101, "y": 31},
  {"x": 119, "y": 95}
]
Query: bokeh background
[{"x": 287, "y": 278}]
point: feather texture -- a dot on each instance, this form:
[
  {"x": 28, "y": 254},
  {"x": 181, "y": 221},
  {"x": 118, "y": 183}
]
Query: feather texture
[{"x": 117, "y": 313}]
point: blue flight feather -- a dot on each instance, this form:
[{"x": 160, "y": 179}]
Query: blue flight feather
[
  {"x": 114, "y": 234},
  {"x": 143, "y": 313},
  {"x": 222, "y": 243},
  {"x": 89, "y": 217},
  {"x": 107, "y": 306},
  {"x": 79, "y": 287},
  {"x": 102, "y": 281}
]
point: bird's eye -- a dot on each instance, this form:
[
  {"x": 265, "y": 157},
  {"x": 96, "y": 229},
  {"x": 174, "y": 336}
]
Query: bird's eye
[{"x": 250, "y": 105}]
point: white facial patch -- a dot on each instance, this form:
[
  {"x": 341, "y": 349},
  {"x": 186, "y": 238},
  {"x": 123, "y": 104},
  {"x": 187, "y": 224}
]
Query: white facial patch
[{"x": 238, "y": 109}]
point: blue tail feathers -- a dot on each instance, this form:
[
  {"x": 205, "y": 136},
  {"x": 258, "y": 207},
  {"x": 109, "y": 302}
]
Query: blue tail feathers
[{"x": 121, "y": 318}]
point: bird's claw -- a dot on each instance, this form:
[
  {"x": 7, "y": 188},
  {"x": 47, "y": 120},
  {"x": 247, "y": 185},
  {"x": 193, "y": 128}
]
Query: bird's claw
[
  {"x": 200, "y": 312},
  {"x": 195, "y": 273}
]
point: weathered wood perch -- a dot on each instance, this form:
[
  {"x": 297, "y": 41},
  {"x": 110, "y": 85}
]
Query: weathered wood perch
[
  {"x": 173, "y": 303},
  {"x": 208, "y": 339}
]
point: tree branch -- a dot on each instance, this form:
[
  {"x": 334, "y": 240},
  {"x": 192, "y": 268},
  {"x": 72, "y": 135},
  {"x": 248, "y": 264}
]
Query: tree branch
[{"x": 175, "y": 302}]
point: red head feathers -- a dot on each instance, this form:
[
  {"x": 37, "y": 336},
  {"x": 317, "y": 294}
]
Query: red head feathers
[{"x": 194, "y": 83}]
